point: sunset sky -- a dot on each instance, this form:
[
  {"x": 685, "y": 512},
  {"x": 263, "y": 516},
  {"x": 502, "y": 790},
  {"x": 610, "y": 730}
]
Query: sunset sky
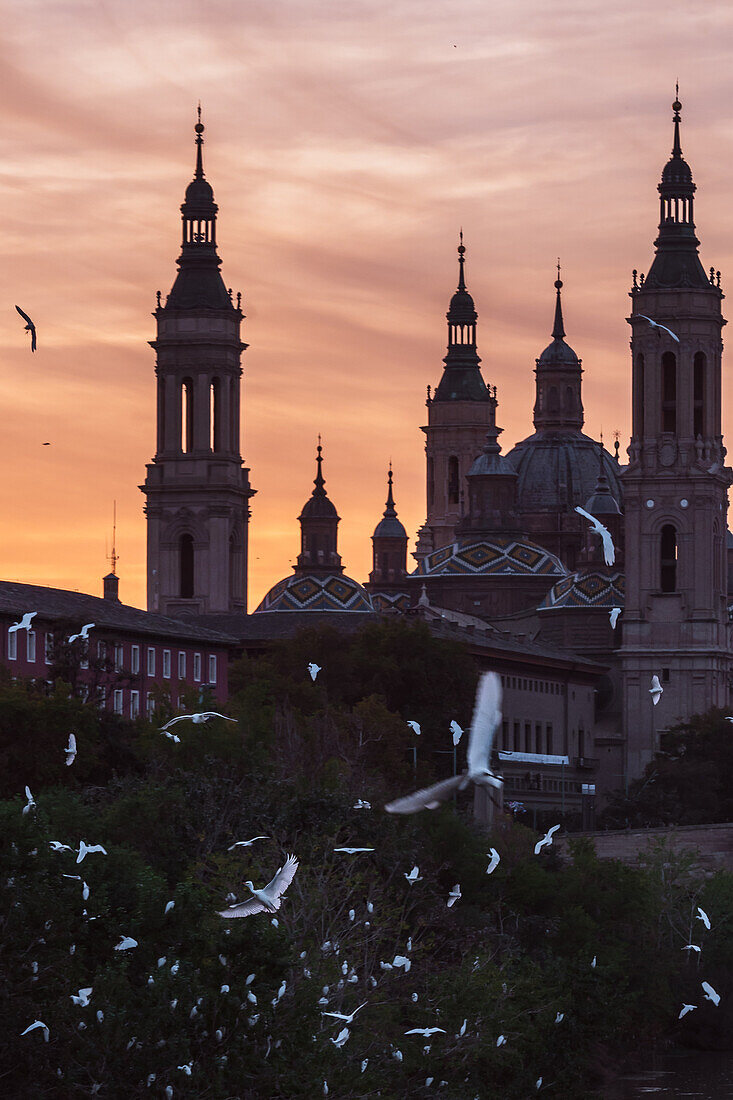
[{"x": 346, "y": 143}]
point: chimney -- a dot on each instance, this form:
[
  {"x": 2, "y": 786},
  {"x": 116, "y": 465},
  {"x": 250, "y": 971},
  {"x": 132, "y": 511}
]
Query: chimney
[{"x": 111, "y": 585}]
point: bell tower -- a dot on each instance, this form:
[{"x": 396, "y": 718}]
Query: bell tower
[
  {"x": 675, "y": 486},
  {"x": 197, "y": 490},
  {"x": 459, "y": 414}
]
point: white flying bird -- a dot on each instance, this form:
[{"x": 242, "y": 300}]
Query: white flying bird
[
  {"x": 83, "y": 998},
  {"x": 33, "y": 1026},
  {"x": 559, "y": 1017},
  {"x": 494, "y": 862},
  {"x": 501, "y": 1040},
  {"x": 454, "y": 895},
  {"x": 413, "y": 876},
  {"x": 655, "y": 324},
  {"x": 425, "y": 1031},
  {"x": 415, "y": 726},
  {"x": 86, "y": 849},
  {"x": 546, "y": 839},
  {"x": 486, "y": 719},
  {"x": 353, "y": 851},
  {"x": 341, "y": 1038},
  {"x": 171, "y": 737},
  {"x": 59, "y": 847},
  {"x": 169, "y": 906},
  {"x": 246, "y": 843},
  {"x": 593, "y": 963},
  {"x": 31, "y": 803},
  {"x": 456, "y": 731},
  {"x": 403, "y": 961},
  {"x": 197, "y": 719},
  {"x": 462, "y": 1032},
  {"x": 691, "y": 947},
  {"x": 710, "y": 994},
  {"x": 360, "y": 804},
  {"x": 609, "y": 554},
  {"x": 24, "y": 624},
  {"x": 186, "y": 1068},
  {"x": 340, "y": 1015},
  {"x": 266, "y": 900},
  {"x": 126, "y": 943},
  {"x": 656, "y": 690},
  {"x": 613, "y": 616},
  {"x": 685, "y": 1010},
  {"x": 70, "y": 750},
  {"x": 83, "y": 633},
  {"x": 702, "y": 915},
  {"x": 314, "y": 669}
]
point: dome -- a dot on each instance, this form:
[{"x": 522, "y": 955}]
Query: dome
[
  {"x": 311, "y": 592},
  {"x": 499, "y": 556},
  {"x": 199, "y": 193},
  {"x": 462, "y": 311},
  {"x": 558, "y": 352},
  {"x": 586, "y": 588},
  {"x": 391, "y": 601},
  {"x": 558, "y": 470},
  {"x": 389, "y": 528},
  {"x": 676, "y": 171},
  {"x": 319, "y": 507}
]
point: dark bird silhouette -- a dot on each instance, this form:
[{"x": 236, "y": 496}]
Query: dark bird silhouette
[{"x": 30, "y": 327}]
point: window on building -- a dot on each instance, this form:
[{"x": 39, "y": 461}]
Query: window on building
[
  {"x": 186, "y": 566},
  {"x": 84, "y": 658},
  {"x": 149, "y": 704},
  {"x": 30, "y": 645},
  {"x": 215, "y": 415},
  {"x": 119, "y": 657},
  {"x": 669, "y": 392},
  {"x": 101, "y": 651},
  {"x": 665, "y": 675},
  {"x": 134, "y": 704},
  {"x": 528, "y": 737},
  {"x": 197, "y": 666},
  {"x": 517, "y": 746},
  {"x": 538, "y": 736},
  {"x": 187, "y": 415},
  {"x": 453, "y": 480},
  {"x": 13, "y": 646},
  {"x": 581, "y": 742},
  {"x": 48, "y": 647},
  {"x": 151, "y": 660},
  {"x": 118, "y": 700},
  {"x": 181, "y": 665},
  {"x": 668, "y": 558},
  {"x": 85, "y": 692},
  {"x": 548, "y": 739},
  {"x": 135, "y": 659},
  {"x": 698, "y": 395},
  {"x": 212, "y": 669},
  {"x": 167, "y": 664}
]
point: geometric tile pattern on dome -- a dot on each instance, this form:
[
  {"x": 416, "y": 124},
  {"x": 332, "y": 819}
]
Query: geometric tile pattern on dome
[
  {"x": 501, "y": 555},
  {"x": 314, "y": 593},
  {"x": 386, "y": 601},
  {"x": 586, "y": 588}
]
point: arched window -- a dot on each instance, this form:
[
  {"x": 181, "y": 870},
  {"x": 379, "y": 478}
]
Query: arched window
[
  {"x": 669, "y": 392},
  {"x": 640, "y": 395},
  {"x": 668, "y": 558},
  {"x": 698, "y": 395},
  {"x": 215, "y": 415},
  {"x": 553, "y": 400},
  {"x": 569, "y": 400},
  {"x": 186, "y": 566},
  {"x": 453, "y": 484},
  {"x": 187, "y": 415}
]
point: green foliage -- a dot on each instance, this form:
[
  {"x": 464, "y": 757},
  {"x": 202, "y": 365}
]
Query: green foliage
[{"x": 513, "y": 952}]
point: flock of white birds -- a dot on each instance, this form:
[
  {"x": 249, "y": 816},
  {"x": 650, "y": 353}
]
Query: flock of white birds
[{"x": 268, "y": 899}]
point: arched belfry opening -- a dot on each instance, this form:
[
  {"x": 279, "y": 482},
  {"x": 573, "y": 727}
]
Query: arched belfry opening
[
  {"x": 187, "y": 414},
  {"x": 186, "y": 571}
]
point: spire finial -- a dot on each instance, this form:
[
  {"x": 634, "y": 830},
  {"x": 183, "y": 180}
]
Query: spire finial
[
  {"x": 199, "y": 128},
  {"x": 319, "y": 480},
  {"x": 390, "y": 509},
  {"x": 114, "y": 556},
  {"x": 461, "y": 261},
  {"x": 677, "y": 107},
  {"x": 558, "y": 330}
]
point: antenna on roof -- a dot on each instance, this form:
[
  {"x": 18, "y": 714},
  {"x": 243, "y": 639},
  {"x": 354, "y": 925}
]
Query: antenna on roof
[{"x": 114, "y": 556}]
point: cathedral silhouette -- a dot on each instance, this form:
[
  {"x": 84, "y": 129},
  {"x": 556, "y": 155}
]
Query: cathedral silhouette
[{"x": 505, "y": 563}]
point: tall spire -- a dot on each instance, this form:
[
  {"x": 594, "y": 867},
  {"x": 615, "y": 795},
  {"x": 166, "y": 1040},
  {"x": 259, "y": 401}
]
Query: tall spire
[
  {"x": 558, "y": 330},
  {"x": 461, "y": 379},
  {"x": 318, "y": 528},
  {"x": 199, "y": 128},
  {"x": 676, "y": 263}
]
